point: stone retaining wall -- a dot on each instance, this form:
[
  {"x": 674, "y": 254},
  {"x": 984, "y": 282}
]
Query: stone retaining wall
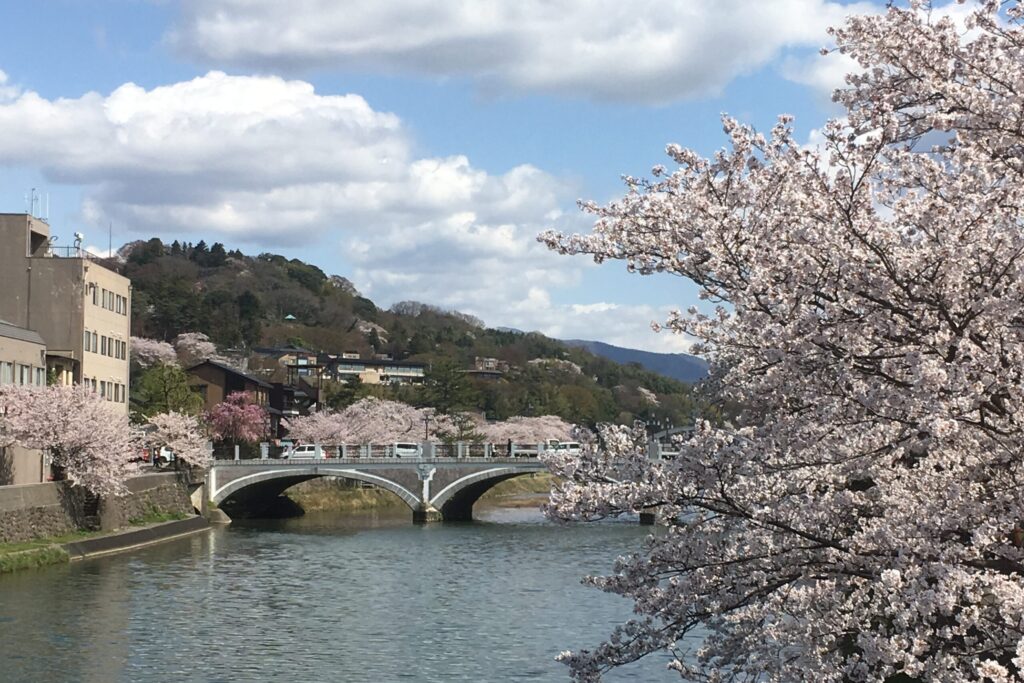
[
  {"x": 53, "y": 508},
  {"x": 163, "y": 492}
]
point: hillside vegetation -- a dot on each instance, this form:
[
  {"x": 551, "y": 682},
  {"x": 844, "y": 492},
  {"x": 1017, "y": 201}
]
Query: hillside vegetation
[{"x": 242, "y": 302}]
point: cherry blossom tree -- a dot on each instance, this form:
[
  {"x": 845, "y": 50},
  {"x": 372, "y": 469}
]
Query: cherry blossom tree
[
  {"x": 324, "y": 427},
  {"x": 379, "y": 421},
  {"x": 238, "y": 419},
  {"x": 370, "y": 420},
  {"x": 182, "y": 434},
  {"x": 149, "y": 352},
  {"x": 194, "y": 347},
  {"x": 90, "y": 444},
  {"x": 864, "y": 519},
  {"x": 528, "y": 430}
]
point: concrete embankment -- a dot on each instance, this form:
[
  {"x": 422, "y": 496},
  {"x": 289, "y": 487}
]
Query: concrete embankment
[
  {"x": 59, "y": 550},
  {"x": 31, "y": 511},
  {"x": 52, "y": 523},
  {"x": 130, "y": 539}
]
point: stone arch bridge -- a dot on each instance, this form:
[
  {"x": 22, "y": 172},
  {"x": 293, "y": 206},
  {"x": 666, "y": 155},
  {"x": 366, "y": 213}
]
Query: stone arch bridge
[{"x": 434, "y": 488}]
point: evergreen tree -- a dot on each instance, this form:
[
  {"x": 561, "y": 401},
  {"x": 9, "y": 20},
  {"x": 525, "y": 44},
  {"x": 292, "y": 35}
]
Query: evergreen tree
[
  {"x": 447, "y": 389},
  {"x": 164, "y": 389}
]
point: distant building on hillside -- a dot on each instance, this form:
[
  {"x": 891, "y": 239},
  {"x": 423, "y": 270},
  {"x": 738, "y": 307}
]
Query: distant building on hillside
[
  {"x": 371, "y": 370},
  {"x": 80, "y": 308},
  {"x": 300, "y": 362},
  {"x": 487, "y": 368}
]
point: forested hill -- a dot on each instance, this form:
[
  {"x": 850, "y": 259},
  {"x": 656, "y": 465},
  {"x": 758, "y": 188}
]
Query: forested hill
[{"x": 242, "y": 301}]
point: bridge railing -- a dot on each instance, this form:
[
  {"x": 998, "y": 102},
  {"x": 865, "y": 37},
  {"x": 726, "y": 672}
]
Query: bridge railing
[
  {"x": 428, "y": 451},
  {"x": 359, "y": 462}
]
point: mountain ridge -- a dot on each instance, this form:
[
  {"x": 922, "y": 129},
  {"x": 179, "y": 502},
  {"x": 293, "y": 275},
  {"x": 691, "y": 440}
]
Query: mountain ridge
[{"x": 679, "y": 366}]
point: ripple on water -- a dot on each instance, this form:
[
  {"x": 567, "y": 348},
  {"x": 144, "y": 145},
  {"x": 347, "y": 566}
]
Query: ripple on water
[{"x": 325, "y": 598}]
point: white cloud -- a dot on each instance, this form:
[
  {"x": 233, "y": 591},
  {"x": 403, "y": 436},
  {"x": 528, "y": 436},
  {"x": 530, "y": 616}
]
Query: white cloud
[
  {"x": 646, "y": 50},
  {"x": 273, "y": 163},
  {"x": 619, "y": 324},
  {"x": 822, "y": 73},
  {"x": 7, "y": 92}
]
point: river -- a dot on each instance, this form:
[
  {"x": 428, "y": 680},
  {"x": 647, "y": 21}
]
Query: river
[{"x": 326, "y": 597}]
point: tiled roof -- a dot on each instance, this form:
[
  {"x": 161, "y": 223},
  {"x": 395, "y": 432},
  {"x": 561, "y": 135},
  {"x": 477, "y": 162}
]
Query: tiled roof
[{"x": 233, "y": 371}]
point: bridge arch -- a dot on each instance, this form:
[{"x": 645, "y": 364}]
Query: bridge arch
[
  {"x": 265, "y": 486},
  {"x": 455, "y": 501}
]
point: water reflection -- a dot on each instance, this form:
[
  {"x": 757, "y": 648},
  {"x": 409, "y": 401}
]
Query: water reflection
[{"x": 325, "y": 598}]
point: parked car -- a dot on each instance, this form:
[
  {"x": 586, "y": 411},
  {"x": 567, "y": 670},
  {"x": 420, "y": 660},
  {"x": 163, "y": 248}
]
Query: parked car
[
  {"x": 407, "y": 450},
  {"x": 571, "y": 447},
  {"x": 301, "y": 452}
]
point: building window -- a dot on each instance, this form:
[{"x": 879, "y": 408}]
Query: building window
[
  {"x": 95, "y": 342},
  {"x": 6, "y": 373},
  {"x": 24, "y": 374},
  {"x": 40, "y": 377},
  {"x": 86, "y": 341}
]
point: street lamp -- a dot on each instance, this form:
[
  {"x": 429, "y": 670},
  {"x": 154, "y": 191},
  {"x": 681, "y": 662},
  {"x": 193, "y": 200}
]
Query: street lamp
[{"x": 426, "y": 428}]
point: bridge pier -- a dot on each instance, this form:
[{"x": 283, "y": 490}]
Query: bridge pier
[
  {"x": 425, "y": 514},
  {"x": 649, "y": 515}
]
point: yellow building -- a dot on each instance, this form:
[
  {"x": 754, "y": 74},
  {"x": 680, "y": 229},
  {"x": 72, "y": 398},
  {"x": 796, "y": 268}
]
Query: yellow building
[{"x": 80, "y": 308}]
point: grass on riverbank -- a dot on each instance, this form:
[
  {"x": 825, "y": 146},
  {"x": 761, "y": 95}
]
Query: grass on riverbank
[
  {"x": 39, "y": 552},
  {"x": 327, "y": 494},
  {"x": 156, "y": 516}
]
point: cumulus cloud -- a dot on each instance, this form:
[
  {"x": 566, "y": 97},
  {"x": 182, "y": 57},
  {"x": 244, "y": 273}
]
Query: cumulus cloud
[
  {"x": 646, "y": 50},
  {"x": 273, "y": 163}
]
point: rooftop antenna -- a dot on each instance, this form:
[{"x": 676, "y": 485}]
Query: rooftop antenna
[
  {"x": 47, "y": 207},
  {"x": 110, "y": 239},
  {"x": 30, "y": 202}
]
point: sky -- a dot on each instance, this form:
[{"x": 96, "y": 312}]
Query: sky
[{"x": 415, "y": 147}]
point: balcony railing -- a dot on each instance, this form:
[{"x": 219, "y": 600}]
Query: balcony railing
[{"x": 72, "y": 252}]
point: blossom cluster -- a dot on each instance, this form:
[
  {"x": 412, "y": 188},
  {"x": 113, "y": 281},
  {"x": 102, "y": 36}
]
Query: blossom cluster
[
  {"x": 149, "y": 352},
  {"x": 374, "y": 420},
  {"x": 238, "y": 419},
  {"x": 89, "y": 442},
  {"x": 864, "y": 518}
]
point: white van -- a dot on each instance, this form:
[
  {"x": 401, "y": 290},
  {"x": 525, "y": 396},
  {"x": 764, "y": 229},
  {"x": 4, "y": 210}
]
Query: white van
[
  {"x": 306, "y": 450},
  {"x": 570, "y": 447},
  {"x": 407, "y": 450}
]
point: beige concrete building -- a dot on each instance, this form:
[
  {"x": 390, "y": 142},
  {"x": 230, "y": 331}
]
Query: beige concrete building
[
  {"x": 81, "y": 309},
  {"x": 22, "y": 361}
]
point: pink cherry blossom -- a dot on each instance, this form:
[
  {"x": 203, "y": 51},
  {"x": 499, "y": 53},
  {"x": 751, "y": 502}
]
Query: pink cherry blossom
[
  {"x": 183, "y": 435},
  {"x": 863, "y": 305},
  {"x": 238, "y": 419},
  {"x": 87, "y": 438},
  {"x": 149, "y": 352}
]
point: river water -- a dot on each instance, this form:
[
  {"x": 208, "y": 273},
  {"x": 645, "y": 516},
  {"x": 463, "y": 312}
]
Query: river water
[{"x": 326, "y": 597}]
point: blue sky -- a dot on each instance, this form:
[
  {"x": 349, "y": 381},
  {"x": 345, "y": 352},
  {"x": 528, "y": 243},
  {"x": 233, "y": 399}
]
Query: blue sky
[{"x": 415, "y": 147}]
